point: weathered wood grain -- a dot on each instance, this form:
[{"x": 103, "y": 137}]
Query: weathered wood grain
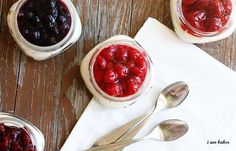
[
  {"x": 37, "y": 95},
  {"x": 223, "y": 50},
  {"x": 51, "y": 94},
  {"x": 9, "y": 62}
]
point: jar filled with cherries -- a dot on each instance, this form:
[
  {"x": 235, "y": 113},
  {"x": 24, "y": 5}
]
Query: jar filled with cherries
[
  {"x": 201, "y": 21},
  {"x": 117, "y": 71},
  {"x": 17, "y": 134}
]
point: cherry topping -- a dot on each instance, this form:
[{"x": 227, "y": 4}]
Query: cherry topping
[
  {"x": 121, "y": 55},
  {"x": 109, "y": 76},
  {"x": 101, "y": 62},
  {"x": 113, "y": 89},
  {"x": 15, "y": 139},
  {"x": 133, "y": 84},
  {"x": 207, "y": 15},
  {"x": 120, "y": 70}
]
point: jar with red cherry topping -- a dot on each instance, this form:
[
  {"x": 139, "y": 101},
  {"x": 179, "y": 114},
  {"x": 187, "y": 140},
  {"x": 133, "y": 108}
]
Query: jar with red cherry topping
[
  {"x": 202, "y": 21},
  {"x": 117, "y": 72},
  {"x": 17, "y": 134}
]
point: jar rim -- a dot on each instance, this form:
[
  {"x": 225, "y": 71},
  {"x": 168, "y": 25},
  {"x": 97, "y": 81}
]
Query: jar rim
[
  {"x": 131, "y": 43},
  {"x": 44, "y": 48},
  {"x": 195, "y": 30},
  {"x": 35, "y": 134}
]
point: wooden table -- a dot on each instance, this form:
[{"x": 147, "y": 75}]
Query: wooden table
[{"x": 51, "y": 94}]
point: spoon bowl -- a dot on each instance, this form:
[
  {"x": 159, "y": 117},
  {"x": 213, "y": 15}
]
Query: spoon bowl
[
  {"x": 168, "y": 130},
  {"x": 172, "y": 96}
]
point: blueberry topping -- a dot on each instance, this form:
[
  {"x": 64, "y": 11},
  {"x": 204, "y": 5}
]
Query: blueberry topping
[{"x": 44, "y": 22}]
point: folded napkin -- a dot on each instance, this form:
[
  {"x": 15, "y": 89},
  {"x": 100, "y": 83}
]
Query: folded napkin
[{"x": 209, "y": 110}]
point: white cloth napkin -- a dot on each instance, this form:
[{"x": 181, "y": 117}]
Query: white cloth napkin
[{"x": 209, "y": 110}]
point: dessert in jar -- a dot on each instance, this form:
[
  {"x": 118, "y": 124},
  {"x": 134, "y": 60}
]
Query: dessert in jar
[
  {"x": 17, "y": 134},
  {"x": 117, "y": 71},
  {"x": 45, "y": 28},
  {"x": 202, "y": 21}
]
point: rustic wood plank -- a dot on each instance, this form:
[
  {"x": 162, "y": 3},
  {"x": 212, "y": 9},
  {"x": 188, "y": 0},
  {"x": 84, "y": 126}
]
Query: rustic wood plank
[
  {"x": 37, "y": 95},
  {"x": 144, "y": 9},
  {"x": 100, "y": 19},
  {"x": 223, "y": 50},
  {"x": 74, "y": 95},
  {"x": 9, "y": 62}
]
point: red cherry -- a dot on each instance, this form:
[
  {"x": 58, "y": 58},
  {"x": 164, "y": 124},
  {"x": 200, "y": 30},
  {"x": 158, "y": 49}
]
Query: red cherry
[
  {"x": 113, "y": 89},
  {"x": 121, "y": 55},
  {"x": 133, "y": 84},
  {"x": 108, "y": 52},
  {"x": 138, "y": 71},
  {"x": 109, "y": 76},
  {"x": 123, "y": 87},
  {"x": 120, "y": 70},
  {"x": 6, "y": 140},
  {"x": 227, "y": 5},
  {"x": 25, "y": 138},
  {"x": 109, "y": 65},
  {"x": 133, "y": 54},
  {"x": 2, "y": 128},
  {"x": 98, "y": 75},
  {"x": 130, "y": 64},
  {"x": 213, "y": 24},
  {"x": 141, "y": 63},
  {"x": 101, "y": 62},
  {"x": 4, "y": 147},
  {"x": 196, "y": 18},
  {"x": 201, "y": 4},
  {"x": 15, "y": 146},
  {"x": 224, "y": 19},
  {"x": 215, "y": 9}
]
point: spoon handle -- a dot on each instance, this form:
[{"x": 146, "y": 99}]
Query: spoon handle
[
  {"x": 126, "y": 131},
  {"x": 115, "y": 146}
]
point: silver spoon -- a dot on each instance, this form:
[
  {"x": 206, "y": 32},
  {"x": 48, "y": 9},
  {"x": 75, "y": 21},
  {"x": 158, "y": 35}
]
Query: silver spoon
[
  {"x": 170, "y": 97},
  {"x": 168, "y": 130}
]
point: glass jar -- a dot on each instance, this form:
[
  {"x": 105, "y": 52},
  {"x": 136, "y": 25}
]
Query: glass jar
[
  {"x": 35, "y": 134},
  {"x": 193, "y": 35},
  {"x": 44, "y": 52},
  {"x": 88, "y": 75}
]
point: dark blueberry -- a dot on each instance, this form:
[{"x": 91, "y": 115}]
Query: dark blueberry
[
  {"x": 53, "y": 12},
  {"x": 30, "y": 15},
  {"x": 53, "y": 40},
  {"x": 52, "y": 3},
  {"x": 30, "y": 6},
  {"x": 62, "y": 19},
  {"x": 54, "y": 30},
  {"x": 37, "y": 19}
]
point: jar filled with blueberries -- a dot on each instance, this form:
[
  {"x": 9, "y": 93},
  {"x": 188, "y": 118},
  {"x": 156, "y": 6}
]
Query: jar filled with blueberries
[{"x": 44, "y": 26}]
